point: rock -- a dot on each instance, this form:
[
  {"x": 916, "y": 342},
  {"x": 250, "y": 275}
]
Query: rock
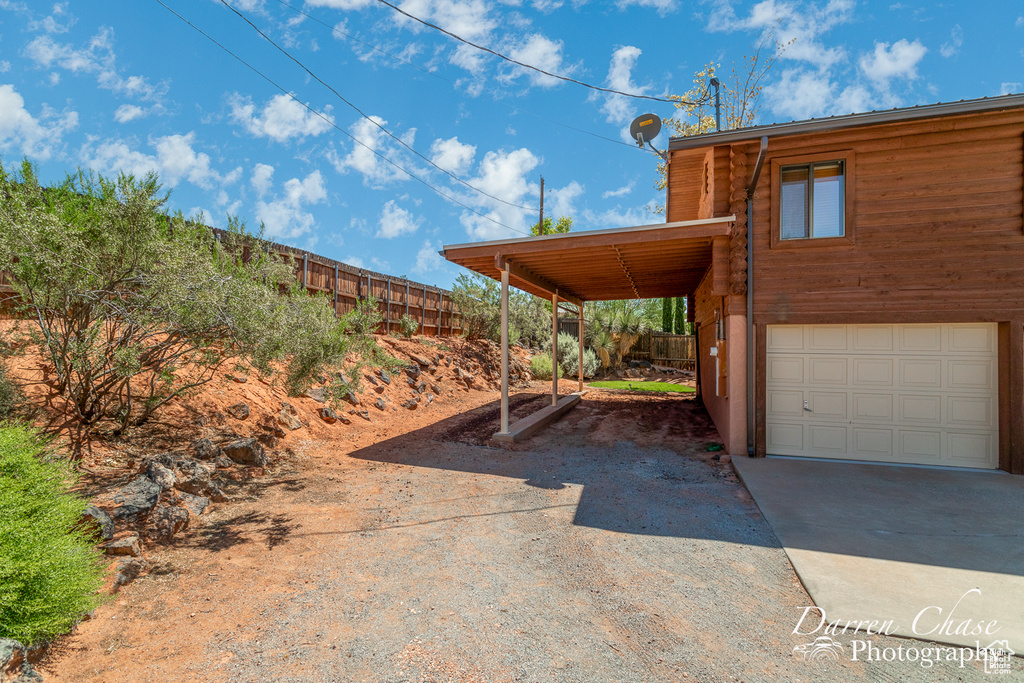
[
  {"x": 239, "y": 411},
  {"x": 241, "y": 379},
  {"x": 129, "y": 545},
  {"x": 128, "y": 571},
  {"x": 268, "y": 439},
  {"x": 384, "y": 377},
  {"x": 379, "y": 389},
  {"x": 436, "y": 389},
  {"x": 371, "y": 379},
  {"x": 247, "y": 452},
  {"x": 194, "y": 479},
  {"x": 196, "y": 505},
  {"x": 14, "y": 666},
  {"x": 289, "y": 417},
  {"x": 98, "y": 522},
  {"x": 137, "y": 498},
  {"x": 168, "y": 521},
  {"x": 363, "y": 414},
  {"x": 343, "y": 419},
  {"x": 411, "y": 404},
  {"x": 420, "y": 387},
  {"x": 419, "y": 359},
  {"x": 205, "y": 449},
  {"x": 380, "y": 404},
  {"x": 160, "y": 475},
  {"x": 351, "y": 397},
  {"x": 327, "y": 415},
  {"x": 317, "y": 394},
  {"x": 413, "y": 371},
  {"x": 430, "y": 399},
  {"x": 223, "y": 462}
]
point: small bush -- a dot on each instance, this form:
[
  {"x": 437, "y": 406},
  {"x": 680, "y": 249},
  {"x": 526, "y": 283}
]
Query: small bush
[
  {"x": 49, "y": 569},
  {"x": 11, "y": 396},
  {"x": 540, "y": 366},
  {"x": 590, "y": 363},
  {"x": 408, "y": 326}
]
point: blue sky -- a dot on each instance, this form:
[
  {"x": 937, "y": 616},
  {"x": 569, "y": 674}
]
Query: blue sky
[{"x": 124, "y": 85}]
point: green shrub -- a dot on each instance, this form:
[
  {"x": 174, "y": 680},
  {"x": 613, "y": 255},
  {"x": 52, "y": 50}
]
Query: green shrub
[
  {"x": 571, "y": 364},
  {"x": 49, "y": 569},
  {"x": 408, "y": 326},
  {"x": 540, "y": 366},
  {"x": 11, "y": 396}
]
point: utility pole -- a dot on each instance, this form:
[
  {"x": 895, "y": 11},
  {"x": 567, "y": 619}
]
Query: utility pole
[{"x": 540, "y": 226}]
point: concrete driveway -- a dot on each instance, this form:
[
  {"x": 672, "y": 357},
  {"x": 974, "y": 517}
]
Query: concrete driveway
[{"x": 937, "y": 553}]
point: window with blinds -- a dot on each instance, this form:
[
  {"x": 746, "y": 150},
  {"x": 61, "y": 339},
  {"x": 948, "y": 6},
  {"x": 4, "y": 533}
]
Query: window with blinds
[{"x": 812, "y": 201}]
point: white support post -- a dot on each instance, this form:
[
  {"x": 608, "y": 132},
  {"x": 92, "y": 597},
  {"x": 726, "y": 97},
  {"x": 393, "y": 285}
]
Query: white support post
[
  {"x": 504, "y": 351},
  {"x": 579, "y": 330},
  {"x": 554, "y": 349}
]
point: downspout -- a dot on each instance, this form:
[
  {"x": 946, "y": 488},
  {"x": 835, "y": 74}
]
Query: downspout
[{"x": 750, "y": 293}]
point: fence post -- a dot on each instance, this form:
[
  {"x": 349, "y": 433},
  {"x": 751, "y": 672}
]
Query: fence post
[
  {"x": 440, "y": 313},
  {"x": 304, "y": 285},
  {"x": 407, "y": 298},
  {"x": 387, "y": 318},
  {"x": 335, "y": 290},
  {"x": 423, "y": 318}
]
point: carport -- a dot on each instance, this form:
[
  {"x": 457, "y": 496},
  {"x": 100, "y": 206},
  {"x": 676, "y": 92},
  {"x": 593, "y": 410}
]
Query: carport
[{"x": 640, "y": 262}]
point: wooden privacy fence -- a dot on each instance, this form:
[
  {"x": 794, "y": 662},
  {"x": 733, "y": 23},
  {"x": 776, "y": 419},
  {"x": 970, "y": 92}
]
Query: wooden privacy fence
[
  {"x": 662, "y": 348},
  {"x": 431, "y": 307}
]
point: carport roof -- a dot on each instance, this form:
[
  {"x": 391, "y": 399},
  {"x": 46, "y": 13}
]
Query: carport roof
[{"x": 645, "y": 262}]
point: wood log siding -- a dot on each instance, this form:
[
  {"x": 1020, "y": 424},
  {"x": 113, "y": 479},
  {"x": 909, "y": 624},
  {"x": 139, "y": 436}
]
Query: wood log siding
[{"x": 938, "y": 217}]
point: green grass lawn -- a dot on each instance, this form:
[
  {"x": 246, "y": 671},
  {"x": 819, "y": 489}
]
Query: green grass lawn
[{"x": 639, "y": 385}]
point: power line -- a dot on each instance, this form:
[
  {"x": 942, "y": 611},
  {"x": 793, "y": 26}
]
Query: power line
[
  {"x": 528, "y": 66},
  {"x": 366, "y": 116},
  {"x": 334, "y": 125},
  {"x": 448, "y": 80}
]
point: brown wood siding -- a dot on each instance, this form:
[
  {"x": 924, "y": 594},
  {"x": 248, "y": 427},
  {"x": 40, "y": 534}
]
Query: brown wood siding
[
  {"x": 685, "y": 180},
  {"x": 938, "y": 228}
]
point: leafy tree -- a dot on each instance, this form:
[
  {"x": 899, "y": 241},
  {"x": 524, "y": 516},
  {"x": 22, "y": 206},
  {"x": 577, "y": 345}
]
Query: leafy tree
[
  {"x": 479, "y": 299},
  {"x": 666, "y": 314},
  {"x": 133, "y": 308},
  {"x": 680, "y": 315},
  {"x": 563, "y": 225}
]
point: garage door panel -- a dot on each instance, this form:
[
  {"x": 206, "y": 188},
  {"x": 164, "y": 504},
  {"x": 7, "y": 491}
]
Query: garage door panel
[
  {"x": 783, "y": 403},
  {"x": 973, "y": 339},
  {"x": 977, "y": 375},
  {"x": 827, "y": 370},
  {"x": 971, "y": 411},
  {"x": 919, "y": 338},
  {"x": 872, "y": 407},
  {"x": 828, "y": 405},
  {"x": 922, "y": 394},
  {"x": 920, "y": 372},
  {"x": 877, "y": 372},
  {"x": 919, "y": 408},
  {"x": 786, "y": 438}
]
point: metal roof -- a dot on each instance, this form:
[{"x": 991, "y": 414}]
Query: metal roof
[
  {"x": 645, "y": 261},
  {"x": 983, "y": 104}
]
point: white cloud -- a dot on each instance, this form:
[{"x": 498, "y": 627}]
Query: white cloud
[
  {"x": 396, "y": 221},
  {"x": 60, "y": 21},
  {"x": 261, "y": 178},
  {"x": 617, "y": 108},
  {"x": 5, "y": 66},
  {"x": 339, "y": 4},
  {"x": 561, "y": 201},
  {"x": 501, "y": 174},
  {"x": 354, "y": 261},
  {"x": 1009, "y": 88},
  {"x": 800, "y": 94},
  {"x": 362, "y": 158},
  {"x": 663, "y": 7},
  {"x": 542, "y": 52},
  {"x": 175, "y": 160},
  {"x": 285, "y": 217},
  {"x": 622, "y": 191},
  {"x": 956, "y": 41},
  {"x": 452, "y": 155},
  {"x": 427, "y": 258},
  {"x": 128, "y": 112},
  {"x": 35, "y": 136},
  {"x": 799, "y": 26},
  {"x": 898, "y": 60},
  {"x": 96, "y": 58},
  {"x": 281, "y": 119}
]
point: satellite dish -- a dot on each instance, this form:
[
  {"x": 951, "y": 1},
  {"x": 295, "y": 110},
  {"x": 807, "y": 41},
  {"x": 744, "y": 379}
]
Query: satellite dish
[{"x": 645, "y": 128}]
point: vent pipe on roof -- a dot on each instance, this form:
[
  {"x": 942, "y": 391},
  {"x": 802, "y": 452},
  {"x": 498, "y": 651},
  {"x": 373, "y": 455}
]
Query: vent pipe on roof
[{"x": 718, "y": 103}]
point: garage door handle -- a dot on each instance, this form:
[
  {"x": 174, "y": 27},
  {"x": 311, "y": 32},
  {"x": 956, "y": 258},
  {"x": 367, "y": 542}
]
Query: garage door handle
[{"x": 807, "y": 407}]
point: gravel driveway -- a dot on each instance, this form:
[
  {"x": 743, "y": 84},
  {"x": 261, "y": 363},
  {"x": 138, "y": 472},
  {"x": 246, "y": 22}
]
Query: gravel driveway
[{"x": 611, "y": 547}]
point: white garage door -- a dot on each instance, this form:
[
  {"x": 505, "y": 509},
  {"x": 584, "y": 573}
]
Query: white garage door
[{"x": 921, "y": 394}]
